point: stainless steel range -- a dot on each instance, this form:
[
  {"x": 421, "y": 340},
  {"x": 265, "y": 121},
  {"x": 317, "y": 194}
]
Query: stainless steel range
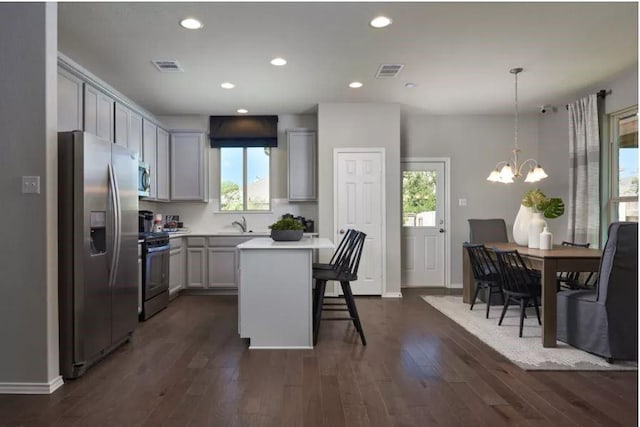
[{"x": 155, "y": 273}]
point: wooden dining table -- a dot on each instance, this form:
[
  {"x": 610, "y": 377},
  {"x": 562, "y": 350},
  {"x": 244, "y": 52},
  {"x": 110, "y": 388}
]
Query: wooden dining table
[{"x": 549, "y": 263}]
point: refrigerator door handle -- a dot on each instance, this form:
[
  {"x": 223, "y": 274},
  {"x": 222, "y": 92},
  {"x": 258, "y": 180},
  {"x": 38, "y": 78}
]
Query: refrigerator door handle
[
  {"x": 118, "y": 213},
  {"x": 114, "y": 246}
]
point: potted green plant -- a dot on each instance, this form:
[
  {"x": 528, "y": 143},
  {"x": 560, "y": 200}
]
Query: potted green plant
[
  {"x": 550, "y": 207},
  {"x": 286, "y": 230},
  {"x": 530, "y": 223}
]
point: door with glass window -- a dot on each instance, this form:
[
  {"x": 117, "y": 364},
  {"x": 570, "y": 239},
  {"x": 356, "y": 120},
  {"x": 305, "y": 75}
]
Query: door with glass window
[{"x": 423, "y": 223}]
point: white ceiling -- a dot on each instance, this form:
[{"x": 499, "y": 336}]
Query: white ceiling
[{"x": 459, "y": 54}]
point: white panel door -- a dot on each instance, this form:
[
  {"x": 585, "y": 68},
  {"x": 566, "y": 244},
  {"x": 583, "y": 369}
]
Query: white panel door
[
  {"x": 360, "y": 205},
  {"x": 423, "y": 223}
]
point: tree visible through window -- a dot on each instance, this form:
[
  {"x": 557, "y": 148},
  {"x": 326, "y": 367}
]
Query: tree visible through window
[
  {"x": 419, "y": 198},
  {"x": 244, "y": 179}
]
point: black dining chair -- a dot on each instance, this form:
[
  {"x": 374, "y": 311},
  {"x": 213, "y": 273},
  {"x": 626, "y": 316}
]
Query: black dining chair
[
  {"x": 485, "y": 273},
  {"x": 344, "y": 270},
  {"x": 339, "y": 252},
  {"x": 519, "y": 284},
  {"x": 571, "y": 279}
]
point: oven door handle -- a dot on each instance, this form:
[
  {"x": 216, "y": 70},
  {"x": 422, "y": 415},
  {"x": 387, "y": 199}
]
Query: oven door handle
[{"x": 158, "y": 249}]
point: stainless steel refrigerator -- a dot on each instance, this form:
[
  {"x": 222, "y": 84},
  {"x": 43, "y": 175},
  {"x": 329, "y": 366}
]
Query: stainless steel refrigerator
[{"x": 98, "y": 248}]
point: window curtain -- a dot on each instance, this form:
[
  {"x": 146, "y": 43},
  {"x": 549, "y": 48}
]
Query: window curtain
[{"x": 584, "y": 171}]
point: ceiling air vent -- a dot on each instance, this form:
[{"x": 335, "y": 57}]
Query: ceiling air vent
[
  {"x": 167, "y": 65},
  {"x": 389, "y": 71}
]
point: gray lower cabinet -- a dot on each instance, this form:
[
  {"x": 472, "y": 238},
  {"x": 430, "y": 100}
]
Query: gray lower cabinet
[
  {"x": 196, "y": 262},
  {"x": 222, "y": 267},
  {"x": 212, "y": 262},
  {"x": 176, "y": 266}
]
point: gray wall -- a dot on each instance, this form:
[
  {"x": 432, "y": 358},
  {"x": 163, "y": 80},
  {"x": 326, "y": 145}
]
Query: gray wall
[
  {"x": 554, "y": 136},
  {"x": 28, "y": 257},
  {"x": 475, "y": 144},
  {"x": 362, "y": 125}
]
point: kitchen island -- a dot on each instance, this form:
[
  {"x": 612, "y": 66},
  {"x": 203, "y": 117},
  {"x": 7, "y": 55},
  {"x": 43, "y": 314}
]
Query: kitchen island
[{"x": 274, "y": 292}]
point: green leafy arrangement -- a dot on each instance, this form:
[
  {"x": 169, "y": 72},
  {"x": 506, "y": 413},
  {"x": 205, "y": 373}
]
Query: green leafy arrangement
[
  {"x": 550, "y": 207},
  {"x": 287, "y": 224}
]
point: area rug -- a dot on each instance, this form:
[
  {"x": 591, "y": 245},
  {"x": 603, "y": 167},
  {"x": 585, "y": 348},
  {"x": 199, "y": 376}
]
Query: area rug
[{"x": 526, "y": 352}]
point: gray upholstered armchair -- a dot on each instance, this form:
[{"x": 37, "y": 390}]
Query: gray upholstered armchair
[{"x": 604, "y": 321}]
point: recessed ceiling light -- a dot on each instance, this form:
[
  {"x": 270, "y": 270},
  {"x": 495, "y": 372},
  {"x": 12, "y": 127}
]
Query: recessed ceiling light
[
  {"x": 380, "y": 22},
  {"x": 191, "y": 24},
  {"x": 242, "y": 110},
  {"x": 410, "y": 85},
  {"x": 355, "y": 85},
  {"x": 278, "y": 62},
  {"x": 227, "y": 85}
]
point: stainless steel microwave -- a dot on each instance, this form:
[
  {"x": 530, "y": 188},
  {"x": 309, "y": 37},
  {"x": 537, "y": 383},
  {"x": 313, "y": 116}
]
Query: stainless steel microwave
[{"x": 144, "y": 179}]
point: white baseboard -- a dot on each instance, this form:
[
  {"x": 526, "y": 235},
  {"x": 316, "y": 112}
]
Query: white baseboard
[
  {"x": 455, "y": 286},
  {"x": 392, "y": 295},
  {"x": 31, "y": 388}
]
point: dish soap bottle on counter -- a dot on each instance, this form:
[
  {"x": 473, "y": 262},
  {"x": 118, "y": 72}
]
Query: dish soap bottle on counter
[{"x": 546, "y": 239}]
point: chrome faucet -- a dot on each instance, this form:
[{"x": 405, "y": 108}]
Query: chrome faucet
[{"x": 242, "y": 225}]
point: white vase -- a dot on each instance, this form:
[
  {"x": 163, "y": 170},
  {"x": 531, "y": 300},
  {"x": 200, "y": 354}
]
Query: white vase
[
  {"x": 546, "y": 239},
  {"x": 521, "y": 226},
  {"x": 536, "y": 225}
]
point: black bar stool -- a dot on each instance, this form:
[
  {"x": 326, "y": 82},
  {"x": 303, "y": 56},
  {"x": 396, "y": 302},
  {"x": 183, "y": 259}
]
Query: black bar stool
[{"x": 343, "y": 270}]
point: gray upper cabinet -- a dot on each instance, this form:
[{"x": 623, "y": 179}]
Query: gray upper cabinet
[
  {"x": 135, "y": 133},
  {"x": 121, "y": 125},
  {"x": 128, "y": 128},
  {"x": 302, "y": 165},
  {"x": 70, "y": 112},
  {"x": 98, "y": 113},
  {"x": 163, "y": 165},
  {"x": 188, "y": 166},
  {"x": 149, "y": 153}
]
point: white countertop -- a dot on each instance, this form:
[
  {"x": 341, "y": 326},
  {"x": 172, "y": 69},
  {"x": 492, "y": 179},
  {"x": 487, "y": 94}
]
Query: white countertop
[
  {"x": 304, "y": 243},
  {"x": 176, "y": 234}
]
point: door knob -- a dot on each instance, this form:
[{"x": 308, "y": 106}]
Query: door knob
[
  {"x": 441, "y": 230},
  {"x": 341, "y": 231}
]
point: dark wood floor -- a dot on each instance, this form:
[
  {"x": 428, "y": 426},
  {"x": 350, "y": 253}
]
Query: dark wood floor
[{"x": 187, "y": 366}]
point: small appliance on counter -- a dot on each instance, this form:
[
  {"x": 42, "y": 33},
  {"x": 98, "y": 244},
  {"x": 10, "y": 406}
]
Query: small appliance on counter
[
  {"x": 309, "y": 224},
  {"x": 171, "y": 222},
  {"x": 145, "y": 221}
]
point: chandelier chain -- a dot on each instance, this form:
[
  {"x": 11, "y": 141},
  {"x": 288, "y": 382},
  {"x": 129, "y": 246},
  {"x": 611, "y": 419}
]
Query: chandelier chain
[{"x": 516, "y": 108}]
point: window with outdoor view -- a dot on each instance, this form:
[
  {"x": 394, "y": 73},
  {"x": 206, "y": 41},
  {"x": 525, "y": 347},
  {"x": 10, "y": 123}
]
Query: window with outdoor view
[
  {"x": 623, "y": 201},
  {"x": 419, "y": 198},
  {"x": 244, "y": 179}
]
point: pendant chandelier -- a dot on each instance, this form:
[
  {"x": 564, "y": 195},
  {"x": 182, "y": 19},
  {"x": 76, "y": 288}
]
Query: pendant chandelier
[{"x": 506, "y": 171}]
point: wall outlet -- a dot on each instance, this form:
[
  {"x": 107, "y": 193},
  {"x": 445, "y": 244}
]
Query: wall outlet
[
  {"x": 30, "y": 185},
  {"x": 462, "y": 202}
]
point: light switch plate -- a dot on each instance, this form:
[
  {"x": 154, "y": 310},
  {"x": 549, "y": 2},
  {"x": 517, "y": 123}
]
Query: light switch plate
[
  {"x": 462, "y": 202},
  {"x": 30, "y": 185}
]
